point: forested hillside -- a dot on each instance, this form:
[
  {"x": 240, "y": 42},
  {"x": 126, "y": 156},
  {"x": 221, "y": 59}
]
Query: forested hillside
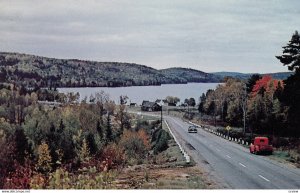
[
  {"x": 189, "y": 75},
  {"x": 33, "y": 71}
]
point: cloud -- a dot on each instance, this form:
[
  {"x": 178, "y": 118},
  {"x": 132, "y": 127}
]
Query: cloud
[{"x": 206, "y": 35}]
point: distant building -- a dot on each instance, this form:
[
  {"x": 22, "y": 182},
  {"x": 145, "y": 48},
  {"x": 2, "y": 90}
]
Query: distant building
[
  {"x": 150, "y": 106},
  {"x": 132, "y": 105}
]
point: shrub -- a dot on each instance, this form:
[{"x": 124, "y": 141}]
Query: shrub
[
  {"x": 7, "y": 156},
  {"x": 136, "y": 144},
  {"x": 86, "y": 178},
  {"x": 280, "y": 142},
  {"x": 38, "y": 181},
  {"x": 112, "y": 157},
  {"x": 161, "y": 141},
  {"x": 20, "y": 178}
]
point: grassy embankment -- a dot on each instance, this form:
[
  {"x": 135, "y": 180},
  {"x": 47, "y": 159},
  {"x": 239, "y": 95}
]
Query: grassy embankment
[{"x": 168, "y": 170}]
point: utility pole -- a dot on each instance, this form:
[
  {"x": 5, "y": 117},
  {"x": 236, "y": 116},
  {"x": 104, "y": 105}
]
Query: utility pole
[
  {"x": 244, "y": 106},
  {"x": 161, "y": 115}
]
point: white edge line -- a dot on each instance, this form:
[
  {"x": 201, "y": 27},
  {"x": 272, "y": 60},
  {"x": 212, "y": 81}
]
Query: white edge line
[
  {"x": 264, "y": 178},
  {"x": 185, "y": 155}
]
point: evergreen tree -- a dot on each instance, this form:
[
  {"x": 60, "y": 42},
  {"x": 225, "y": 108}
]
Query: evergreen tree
[
  {"x": 22, "y": 147},
  {"x": 108, "y": 129},
  {"x": 291, "y": 92},
  {"x": 99, "y": 129},
  {"x": 252, "y": 81},
  {"x": 92, "y": 143},
  {"x": 291, "y": 53},
  {"x": 61, "y": 126}
]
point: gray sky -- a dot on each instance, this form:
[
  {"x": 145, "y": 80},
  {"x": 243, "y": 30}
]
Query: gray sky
[{"x": 208, "y": 35}]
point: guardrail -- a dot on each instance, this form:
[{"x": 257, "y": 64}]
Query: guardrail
[{"x": 239, "y": 141}]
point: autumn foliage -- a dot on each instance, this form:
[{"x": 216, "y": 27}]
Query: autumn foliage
[
  {"x": 136, "y": 144},
  {"x": 69, "y": 146},
  {"x": 266, "y": 83}
]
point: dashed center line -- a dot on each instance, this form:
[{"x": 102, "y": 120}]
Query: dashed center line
[
  {"x": 242, "y": 165},
  {"x": 264, "y": 178},
  {"x": 228, "y": 156}
]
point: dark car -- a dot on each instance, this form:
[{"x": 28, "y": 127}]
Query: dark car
[{"x": 192, "y": 129}]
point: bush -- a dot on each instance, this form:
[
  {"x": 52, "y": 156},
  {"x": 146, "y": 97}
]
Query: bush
[
  {"x": 20, "y": 178},
  {"x": 7, "y": 157},
  {"x": 112, "y": 156},
  {"x": 87, "y": 178},
  {"x": 280, "y": 142},
  {"x": 161, "y": 138},
  {"x": 136, "y": 144}
]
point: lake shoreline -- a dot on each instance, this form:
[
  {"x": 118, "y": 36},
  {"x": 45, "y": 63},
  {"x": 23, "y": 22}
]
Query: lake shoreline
[
  {"x": 134, "y": 85},
  {"x": 137, "y": 94}
]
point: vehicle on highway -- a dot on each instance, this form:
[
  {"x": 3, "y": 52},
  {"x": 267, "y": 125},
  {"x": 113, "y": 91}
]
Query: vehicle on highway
[
  {"x": 192, "y": 129},
  {"x": 261, "y": 145}
]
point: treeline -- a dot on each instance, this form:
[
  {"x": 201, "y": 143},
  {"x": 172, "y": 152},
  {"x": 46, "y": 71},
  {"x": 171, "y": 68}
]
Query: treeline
[
  {"x": 261, "y": 105},
  {"x": 70, "y": 146},
  {"x": 254, "y": 104}
]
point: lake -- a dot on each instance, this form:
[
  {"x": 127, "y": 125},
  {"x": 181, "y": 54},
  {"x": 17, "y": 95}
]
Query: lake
[{"x": 136, "y": 94}]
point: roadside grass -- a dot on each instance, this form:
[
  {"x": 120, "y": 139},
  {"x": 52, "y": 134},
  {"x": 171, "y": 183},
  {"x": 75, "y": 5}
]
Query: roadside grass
[
  {"x": 173, "y": 157},
  {"x": 286, "y": 156},
  {"x": 188, "y": 182}
]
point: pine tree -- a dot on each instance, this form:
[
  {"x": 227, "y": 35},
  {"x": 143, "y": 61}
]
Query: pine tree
[
  {"x": 291, "y": 92},
  {"x": 22, "y": 146},
  {"x": 108, "y": 129},
  {"x": 99, "y": 129},
  {"x": 61, "y": 126},
  {"x": 291, "y": 53}
]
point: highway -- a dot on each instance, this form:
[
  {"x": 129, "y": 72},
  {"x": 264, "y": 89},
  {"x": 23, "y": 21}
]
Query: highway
[{"x": 232, "y": 162}]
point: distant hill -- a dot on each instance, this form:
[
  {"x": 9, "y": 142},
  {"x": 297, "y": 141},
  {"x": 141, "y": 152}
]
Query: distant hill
[
  {"x": 189, "y": 75},
  {"x": 37, "y": 71},
  {"x": 278, "y": 75}
]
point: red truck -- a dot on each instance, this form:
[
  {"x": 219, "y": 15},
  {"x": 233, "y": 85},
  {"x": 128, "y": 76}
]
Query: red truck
[{"x": 261, "y": 145}]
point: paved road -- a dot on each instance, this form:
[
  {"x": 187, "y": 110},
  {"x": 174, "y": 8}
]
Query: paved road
[{"x": 233, "y": 163}]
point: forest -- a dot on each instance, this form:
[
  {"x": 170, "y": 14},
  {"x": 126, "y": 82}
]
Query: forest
[
  {"x": 72, "y": 145},
  {"x": 42, "y": 72}
]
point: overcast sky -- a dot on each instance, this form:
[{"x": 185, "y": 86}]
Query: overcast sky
[{"x": 208, "y": 35}]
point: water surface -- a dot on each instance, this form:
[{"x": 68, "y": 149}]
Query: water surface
[{"x": 137, "y": 94}]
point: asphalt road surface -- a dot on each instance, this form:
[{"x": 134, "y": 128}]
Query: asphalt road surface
[{"x": 232, "y": 162}]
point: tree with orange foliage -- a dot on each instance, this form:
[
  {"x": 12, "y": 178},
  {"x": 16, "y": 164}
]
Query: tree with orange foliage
[
  {"x": 264, "y": 106},
  {"x": 266, "y": 83}
]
